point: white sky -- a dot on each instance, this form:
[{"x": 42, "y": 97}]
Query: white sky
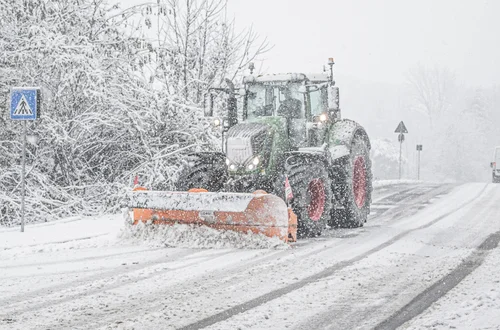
[{"x": 378, "y": 40}]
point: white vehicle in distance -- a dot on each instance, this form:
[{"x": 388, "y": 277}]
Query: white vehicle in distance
[{"x": 495, "y": 169}]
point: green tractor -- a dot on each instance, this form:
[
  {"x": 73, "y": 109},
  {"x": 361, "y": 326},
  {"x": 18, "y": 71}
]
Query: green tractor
[{"x": 289, "y": 132}]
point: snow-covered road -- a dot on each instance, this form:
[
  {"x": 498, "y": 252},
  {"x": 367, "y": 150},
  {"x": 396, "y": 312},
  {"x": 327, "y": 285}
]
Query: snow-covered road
[{"x": 422, "y": 241}]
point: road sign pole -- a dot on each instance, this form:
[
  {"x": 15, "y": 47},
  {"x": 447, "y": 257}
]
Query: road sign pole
[
  {"x": 419, "y": 149},
  {"x": 402, "y": 130},
  {"x": 418, "y": 168},
  {"x": 23, "y": 172},
  {"x": 400, "y": 156}
]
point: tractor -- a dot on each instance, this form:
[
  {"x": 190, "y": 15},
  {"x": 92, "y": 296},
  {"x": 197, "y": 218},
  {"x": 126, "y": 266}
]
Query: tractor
[{"x": 286, "y": 136}]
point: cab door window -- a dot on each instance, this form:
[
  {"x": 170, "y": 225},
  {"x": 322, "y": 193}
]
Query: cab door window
[{"x": 318, "y": 102}]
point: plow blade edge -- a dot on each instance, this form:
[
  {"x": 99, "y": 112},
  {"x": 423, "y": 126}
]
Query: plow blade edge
[{"x": 258, "y": 213}]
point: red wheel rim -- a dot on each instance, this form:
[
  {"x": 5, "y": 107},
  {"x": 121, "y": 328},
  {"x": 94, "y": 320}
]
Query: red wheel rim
[
  {"x": 317, "y": 204},
  {"x": 359, "y": 184}
]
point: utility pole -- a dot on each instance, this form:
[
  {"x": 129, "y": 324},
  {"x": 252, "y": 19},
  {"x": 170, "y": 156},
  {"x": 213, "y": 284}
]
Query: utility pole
[
  {"x": 419, "y": 149},
  {"x": 401, "y": 129}
]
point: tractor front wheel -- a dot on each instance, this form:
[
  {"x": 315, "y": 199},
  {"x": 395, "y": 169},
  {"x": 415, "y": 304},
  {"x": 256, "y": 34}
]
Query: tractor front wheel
[
  {"x": 203, "y": 170},
  {"x": 312, "y": 196},
  {"x": 355, "y": 188}
]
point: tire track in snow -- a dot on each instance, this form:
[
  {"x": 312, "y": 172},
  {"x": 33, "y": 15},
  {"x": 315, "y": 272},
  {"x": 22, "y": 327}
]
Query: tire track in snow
[
  {"x": 432, "y": 294},
  {"x": 54, "y": 243},
  {"x": 84, "y": 259},
  {"x": 407, "y": 210},
  {"x": 351, "y": 307},
  {"x": 128, "y": 307},
  {"x": 81, "y": 282},
  {"x": 60, "y": 299},
  {"x": 253, "y": 303}
]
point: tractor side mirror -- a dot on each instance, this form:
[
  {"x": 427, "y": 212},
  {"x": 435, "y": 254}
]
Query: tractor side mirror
[
  {"x": 333, "y": 102},
  {"x": 232, "y": 110},
  {"x": 226, "y": 124}
]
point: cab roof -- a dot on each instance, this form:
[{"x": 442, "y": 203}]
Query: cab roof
[{"x": 290, "y": 77}]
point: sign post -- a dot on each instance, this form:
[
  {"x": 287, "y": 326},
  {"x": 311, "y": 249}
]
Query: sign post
[
  {"x": 24, "y": 105},
  {"x": 419, "y": 149},
  {"x": 401, "y": 129}
]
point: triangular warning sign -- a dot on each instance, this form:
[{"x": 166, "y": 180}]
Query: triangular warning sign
[
  {"x": 23, "y": 107},
  {"x": 401, "y": 128}
]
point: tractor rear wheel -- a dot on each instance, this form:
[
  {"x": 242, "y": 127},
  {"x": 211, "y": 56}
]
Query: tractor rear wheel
[
  {"x": 312, "y": 196},
  {"x": 355, "y": 188},
  {"x": 203, "y": 170}
]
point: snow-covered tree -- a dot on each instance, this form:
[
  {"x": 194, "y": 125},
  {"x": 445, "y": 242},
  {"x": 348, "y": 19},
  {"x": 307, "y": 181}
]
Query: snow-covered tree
[
  {"x": 117, "y": 101},
  {"x": 433, "y": 91},
  {"x": 385, "y": 159},
  {"x": 462, "y": 133}
]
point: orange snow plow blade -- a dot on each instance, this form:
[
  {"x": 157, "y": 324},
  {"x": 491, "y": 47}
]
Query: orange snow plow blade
[{"x": 259, "y": 213}]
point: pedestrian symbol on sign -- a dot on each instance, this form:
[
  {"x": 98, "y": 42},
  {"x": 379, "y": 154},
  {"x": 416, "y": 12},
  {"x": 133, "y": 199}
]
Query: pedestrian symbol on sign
[{"x": 23, "y": 108}]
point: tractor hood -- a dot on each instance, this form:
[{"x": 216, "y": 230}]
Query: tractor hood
[
  {"x": 245, "y": 142},
  {"x": 252, "y": 146}
]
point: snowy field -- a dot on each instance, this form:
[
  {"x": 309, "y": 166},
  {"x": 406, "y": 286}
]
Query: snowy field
[{"x": 95, "y": 273}]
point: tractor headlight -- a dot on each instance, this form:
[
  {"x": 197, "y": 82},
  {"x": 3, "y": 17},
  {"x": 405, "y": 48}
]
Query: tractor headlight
[
  {"x": 250, "y": 165},
  {"x": 323, "y": 117},
  {"x": 216, "y": 122},
  {"x": 253, "y": 163}
]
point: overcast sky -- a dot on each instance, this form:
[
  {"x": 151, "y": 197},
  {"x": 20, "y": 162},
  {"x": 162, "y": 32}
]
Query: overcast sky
[{"x": 378, "y": 40}]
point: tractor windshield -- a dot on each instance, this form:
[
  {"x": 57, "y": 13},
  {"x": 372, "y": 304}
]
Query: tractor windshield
[{"x": 275, "y": 100}]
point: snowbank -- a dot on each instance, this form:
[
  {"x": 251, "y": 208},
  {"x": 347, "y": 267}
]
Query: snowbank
[
  {"x": 192, "y": 236},
  {"x": 84, "y": 232},
  {"x": 384, "y": 183}
]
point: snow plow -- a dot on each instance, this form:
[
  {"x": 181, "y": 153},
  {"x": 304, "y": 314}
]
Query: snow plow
[
  {"x": 288, "y": 139},
  {"x": 259, "y": 212}
]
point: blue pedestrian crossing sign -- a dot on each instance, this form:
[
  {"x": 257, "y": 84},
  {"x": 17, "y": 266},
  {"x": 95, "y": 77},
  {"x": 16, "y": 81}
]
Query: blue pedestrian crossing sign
[{"x": 25, "y": 103}]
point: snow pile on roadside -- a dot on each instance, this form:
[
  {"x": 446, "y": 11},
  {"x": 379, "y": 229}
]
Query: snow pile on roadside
[
  {"x": 72, "y": 233},
  {"x": 199, "y": 237}
]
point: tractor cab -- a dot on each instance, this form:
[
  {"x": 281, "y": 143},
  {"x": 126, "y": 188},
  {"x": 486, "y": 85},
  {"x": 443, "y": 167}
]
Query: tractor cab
[
  {"x": 306, "y": 103},
  {"x": 305, "y": 96},
  {"x": 263, "y": 100}
]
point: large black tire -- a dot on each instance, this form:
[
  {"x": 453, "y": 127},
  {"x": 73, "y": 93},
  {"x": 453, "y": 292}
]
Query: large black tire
[
  {"x": 312, "y": 195},
  {"x": 355, "y": 187},
  {"x": 203, "y": 170}
]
